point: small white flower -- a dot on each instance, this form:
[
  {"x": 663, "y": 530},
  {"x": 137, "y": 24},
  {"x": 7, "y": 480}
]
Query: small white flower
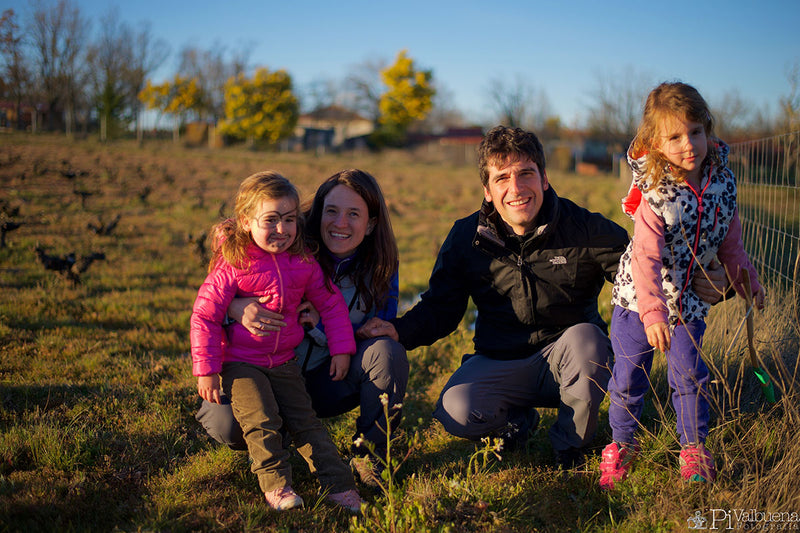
[
  {"x": 358, "y": 442},
  {"x": 397, "y": 406},
  {"x": 384, "y": 398}
]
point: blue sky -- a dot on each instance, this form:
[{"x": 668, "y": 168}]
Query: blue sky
[{"x": 559, "y": 48}]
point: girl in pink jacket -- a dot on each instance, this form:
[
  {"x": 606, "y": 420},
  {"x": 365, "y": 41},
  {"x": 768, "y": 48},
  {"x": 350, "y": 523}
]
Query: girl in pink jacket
[
  {"x": 261, "y": 253},
  {"x": 683, "y": 202}
]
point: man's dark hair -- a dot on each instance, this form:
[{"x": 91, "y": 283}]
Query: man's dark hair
[{"x": 503, "y": 144}]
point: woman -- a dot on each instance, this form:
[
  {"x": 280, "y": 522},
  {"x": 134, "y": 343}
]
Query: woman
[{"x": 349, "y": 221}]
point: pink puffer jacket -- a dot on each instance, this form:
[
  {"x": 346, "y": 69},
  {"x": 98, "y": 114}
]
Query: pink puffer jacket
[{"x": 288, "y": 279}]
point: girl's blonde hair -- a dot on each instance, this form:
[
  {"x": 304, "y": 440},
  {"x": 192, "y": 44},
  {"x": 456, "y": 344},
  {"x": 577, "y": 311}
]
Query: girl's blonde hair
[
  {"x": 678, "y": 100},
  {"x": 230, "y": 241}
]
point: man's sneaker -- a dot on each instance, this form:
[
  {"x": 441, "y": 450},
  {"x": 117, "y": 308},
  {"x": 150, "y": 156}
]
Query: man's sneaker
[
  {"x": 697, "y": 464},
  {"x": 616, "y": 462},
  {"x": 348, "y": 499},
  {"x": 570, "y": 458},
  {"x": 368, "y": 471},
  {"x": 515, "y": 434},
  {"x": 283, "y": 499}
]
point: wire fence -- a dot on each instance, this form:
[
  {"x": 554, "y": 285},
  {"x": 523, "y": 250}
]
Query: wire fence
[{"x": 768, "y": 181}]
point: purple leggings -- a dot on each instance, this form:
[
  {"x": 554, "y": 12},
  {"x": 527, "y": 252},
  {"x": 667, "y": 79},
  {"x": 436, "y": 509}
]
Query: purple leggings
[{"x": 686, "y": 372}]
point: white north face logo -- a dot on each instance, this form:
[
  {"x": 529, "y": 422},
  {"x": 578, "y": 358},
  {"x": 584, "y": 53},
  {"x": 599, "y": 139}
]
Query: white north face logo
[{"x": 559, "y": 260}]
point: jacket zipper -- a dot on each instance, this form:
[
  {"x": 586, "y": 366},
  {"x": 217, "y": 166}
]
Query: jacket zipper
[
  {"x": 280, "y": 296},
  {"x": 700, "y": 211},
  {"x": 530, "y": 298}
]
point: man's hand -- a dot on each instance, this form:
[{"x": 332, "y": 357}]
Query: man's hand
[
  {"x": 710, "y": 284},
  {"x": 658, "y": 336},
  {"x": 340, "y": 364},
  {"x": 208, "y": 388},
  {"x": 375, "y": 327}
]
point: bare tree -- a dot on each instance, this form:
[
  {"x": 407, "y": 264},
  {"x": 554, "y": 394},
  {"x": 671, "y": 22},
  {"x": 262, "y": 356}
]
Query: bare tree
[
  {"x": 444, "y": 113},
  {"x": 319, "y": 93},
  {"x": 790, "y": 104},
  {"x": 518, "y": 104},
  {"x": 738, "y": 118},
  {"x": 147, "y": 54},
  {"x": 212, "y": 71},
  {"x": 364, "y": 88},
  {"x": 618, "y": 103},
  {"x": 59, "y": 36},
  {"x": 16, "y": 73},
  {"x": 510, "y": 100}
]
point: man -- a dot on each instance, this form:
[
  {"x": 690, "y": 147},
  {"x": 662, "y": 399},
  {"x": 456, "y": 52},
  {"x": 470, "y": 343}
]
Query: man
[{"x": 534, "y": 265}]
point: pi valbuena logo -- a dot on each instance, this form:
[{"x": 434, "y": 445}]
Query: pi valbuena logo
[
  {"x": 744, "y": 519},
  {"x": 698, "y": 521}
]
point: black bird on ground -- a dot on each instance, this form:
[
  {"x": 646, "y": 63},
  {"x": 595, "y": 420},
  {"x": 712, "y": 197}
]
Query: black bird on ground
[
  {"x": 5, "y": 227},
  {"x": 53, "y": 262},
  {"x": 68, "y": 265},
  {"x": 104, "y": 229}
]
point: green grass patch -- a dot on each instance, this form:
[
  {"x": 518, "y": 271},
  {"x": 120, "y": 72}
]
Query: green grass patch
[{"x": 97, "y": 401}]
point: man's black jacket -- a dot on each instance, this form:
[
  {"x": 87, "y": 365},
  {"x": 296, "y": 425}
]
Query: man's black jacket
[{"x": 527, "y": 289}]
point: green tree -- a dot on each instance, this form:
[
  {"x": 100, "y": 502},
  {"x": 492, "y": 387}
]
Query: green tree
[
  {"x": 409, "y": 97},
  {"x": 263, "y": 107},
  {"x": 109, "y": 58}
]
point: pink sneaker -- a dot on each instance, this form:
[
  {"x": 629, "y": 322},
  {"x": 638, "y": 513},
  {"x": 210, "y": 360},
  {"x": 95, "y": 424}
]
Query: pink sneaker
[
  {"x": 616, "y": 463},
  {"x": 697, "y": 464},
  {"x": 348, "y": 499},
  {"x": 283, "y": 499}
]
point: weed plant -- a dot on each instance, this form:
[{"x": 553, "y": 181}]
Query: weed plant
[{"x": 97, "y": 401}]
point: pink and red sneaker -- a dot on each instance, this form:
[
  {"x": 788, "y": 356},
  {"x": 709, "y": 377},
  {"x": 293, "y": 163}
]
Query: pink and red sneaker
[
  {"x": 616, "y": 462},
  {"x": 283, "y": 499},
  {"x": 697, "y": 464},
  {"x": 348, "y": 499}
]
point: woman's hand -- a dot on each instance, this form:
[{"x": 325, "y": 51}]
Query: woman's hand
[
  {"x": 711, "y": 283},
  {"x": 258, "y": 320},
  {"x": 307, "y": 315},
  {"x": 340, "y": 364},
  {"x": 208, "y": 388},
  {"x": 658, "y": 336}
]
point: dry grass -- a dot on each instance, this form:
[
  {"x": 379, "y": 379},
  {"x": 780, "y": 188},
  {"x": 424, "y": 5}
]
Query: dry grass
[{"x": 96, "y": 422}]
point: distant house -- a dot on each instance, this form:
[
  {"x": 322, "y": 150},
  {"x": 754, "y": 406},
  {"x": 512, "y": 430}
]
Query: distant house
[
  {"x": 32, "y": 117},
  {"x": 598, "y": 156},
  {"x": 461, "y": 136},
  {"x": 333, "y": 127}
]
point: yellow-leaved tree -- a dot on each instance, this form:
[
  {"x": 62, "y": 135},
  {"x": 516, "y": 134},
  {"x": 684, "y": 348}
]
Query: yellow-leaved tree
[
  {"x": 178, "y": 97},
  {"x": 260, "y": 108},
  {"x": 409, "y": 96}
]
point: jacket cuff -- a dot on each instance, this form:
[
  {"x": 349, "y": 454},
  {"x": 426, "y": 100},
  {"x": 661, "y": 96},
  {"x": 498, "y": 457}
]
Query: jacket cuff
[
  {"x": 317, "y": 336},
  {"x": 653, "y": 317}
]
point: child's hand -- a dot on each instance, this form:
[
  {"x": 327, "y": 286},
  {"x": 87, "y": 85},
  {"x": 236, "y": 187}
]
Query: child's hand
[
  {"x": 758, "y": 299},
  {"x": 208, "y": 388},
  {"x": 340, "y": 364},
  {"x": 658, "y": 336}
]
